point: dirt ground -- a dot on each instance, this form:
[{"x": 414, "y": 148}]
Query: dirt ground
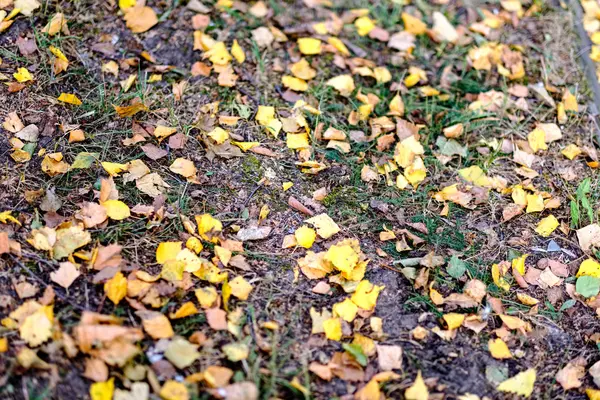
[{"x": 237, "y": 187}]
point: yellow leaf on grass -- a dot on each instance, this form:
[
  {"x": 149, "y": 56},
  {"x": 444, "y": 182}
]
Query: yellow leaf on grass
[
  {"x": 207, "y": 296},
  {"x": 537, "y": 140},
  {"x": 218, "y": 134},
  {"x": 240, "y": 288},
  {"x": 173, "y": 390},
  {"x": 223, "y": 254},
  {"x": 547, "y": 225},
  {"x": 125, "y": 4},
  {"x": 454, "y": 320},
  {"x": 167, "y": 251},
  {"x": 333, "y": 328},
  {"x": 589, "y": 267},
  {"x": 416, "y": 172},
  {"x": 396, "y": 106},
  {"x": 303, "y": 70},
  {"x": 571, "y": 151},
  {"x": 236, "y": 351},
  {"x": 161, "y": 132},
  {"x": 519, "y": 264},
  {"x": 172, "y": 270},
  {"x": 37, "y": 327},
  {"x": 326, "y": 227},
  {"x": 293, "y": 83},
  {"x": 527, "y": 300},
  {"x": 5, "y": 217},
  {"x": 343, "y": 83},
  {"x": 519, "y": 195},
  {"x": 237, "y": 52},
  {"x": 286, "y": 185},
  {"x": 475, "y": 175},
  {"x": 309, "y": 46},
  {"x": 535, "y": 203},
  {"x": 116, "y": 288},
  {"x": 116, "y": 209},
  {"x": 366, "y": 295},
  {"x": 498, "y": 349},
  {"x": 23, "y": 75},
  {"x": 570, "y": 101},
  {"x": 364, "y": 25},
  {"x": 156, "y": 324},
  {"x": 208, "y": 227},
  {"x": 297, "y": 141},
  {"x": 339, "y": 46},
  {"x": 102, "y": 390},
  {"x": 69, "y": 98},
  {"x": 183, "y": 167},
  {"x": 346, "y": 310},
  {"x": 413, "y": 25},
  {"x": 498, "y": 277},
  {"x": 343, "y": 257},
  {"x": 194, "y": 244},
  {"x": 186, "y": 309},
  {"x": 369, "y": 392},
  {"x": 305, "y": 236},
  {"x": 418, "y": 390},
  {"x": 114, "y": 169},
  {"x": 521, "y": 384},
  {"x": 139, "y": 19}
]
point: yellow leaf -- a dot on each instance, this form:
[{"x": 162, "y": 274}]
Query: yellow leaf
[
  {"x": 3, "y": 345},
  {"x": 589, "y": 267},
  {"x": 326, "y": 227},
  {"x": 346, "y": 310},
  {"x": 140, "y": 18},
  {"x": 37, "y": 327},
  {"x": 162, "y": 132},
  {"x": 547, "y": 225},
  {"x": 592, "y": 394},
  {"x": 173, "y": 390},
  {"x": 172, "y": 270},
  {"x": 343, "y": 257},
  {"x": 6, "y": 216},
  {"x": 521, "y": 384},
  {"x": 309, "y": 46},
  {"x": 413, "y": 25},
  {"x": 454, "y": 320},
  {"x": 364, "y": 25},
  {"x": 396, "y": 106},
  {"x": 219, "y": 135},
  {"x": 369, "y": 392},
  {"x": 240, "y": 288},
  {"x": 287, "y": 185},
  {"x": 303, "y": 70},
  {"x": 305, "y": 236},
  {"x": 236, "y": 351},
  {"x": 418, "y": 390},
  {"x": 537, "y": 140},
  {"x": 207, "y": 296},
  {"x": 116, "y": 209},
  {"x": 102, "y": 390},
  {"x": 223, "y": 254},
  {"x": 366, "y": 295},
  {"x": 237, "y": 52},
  {"x": 527, "y": 300},
  {"x": 116, "y": 288},
  {"x": 339, "y": 46},
  {"x": 69, "y": 98},
  {"x": 208, "y": 227},
  {"x": 296, "y": 141},
  {"x": 114, "y": 169},
  {"x": 156, "y": 324},
  {"x": 498, "y": 277},
  {"x": 343, "y": 83},
  {"x": 519, "y": 195},
  {"x": 535, "y": 203},
  {"x": 475, "y": 175},
  {"x": 245, "y": 146},
  {"x": 167, "y": 251},
  {"x": 297, "y": 84},
  {"x": 125, "y": 4},
  {"x": 498, "y": 349},
  {"x": 382, "y": 74},
  {"x": 218, "y": 54},
  {"x": 194, "y": 244},
  {"x": 519, "y": 264},
  {"x": 570, "y": 101},
  {"x": 186, "y": 309},
  {"x": 416, "y": 172},
  {"x": 23, "y": 75},
  {"x": 183, "y": 167},
  {"x": 571, "y": 151},
  {"x": 333, "y": 328}
]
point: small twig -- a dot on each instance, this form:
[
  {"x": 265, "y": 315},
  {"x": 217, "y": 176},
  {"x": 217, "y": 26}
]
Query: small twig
[{"x": 64, "y": 298}]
